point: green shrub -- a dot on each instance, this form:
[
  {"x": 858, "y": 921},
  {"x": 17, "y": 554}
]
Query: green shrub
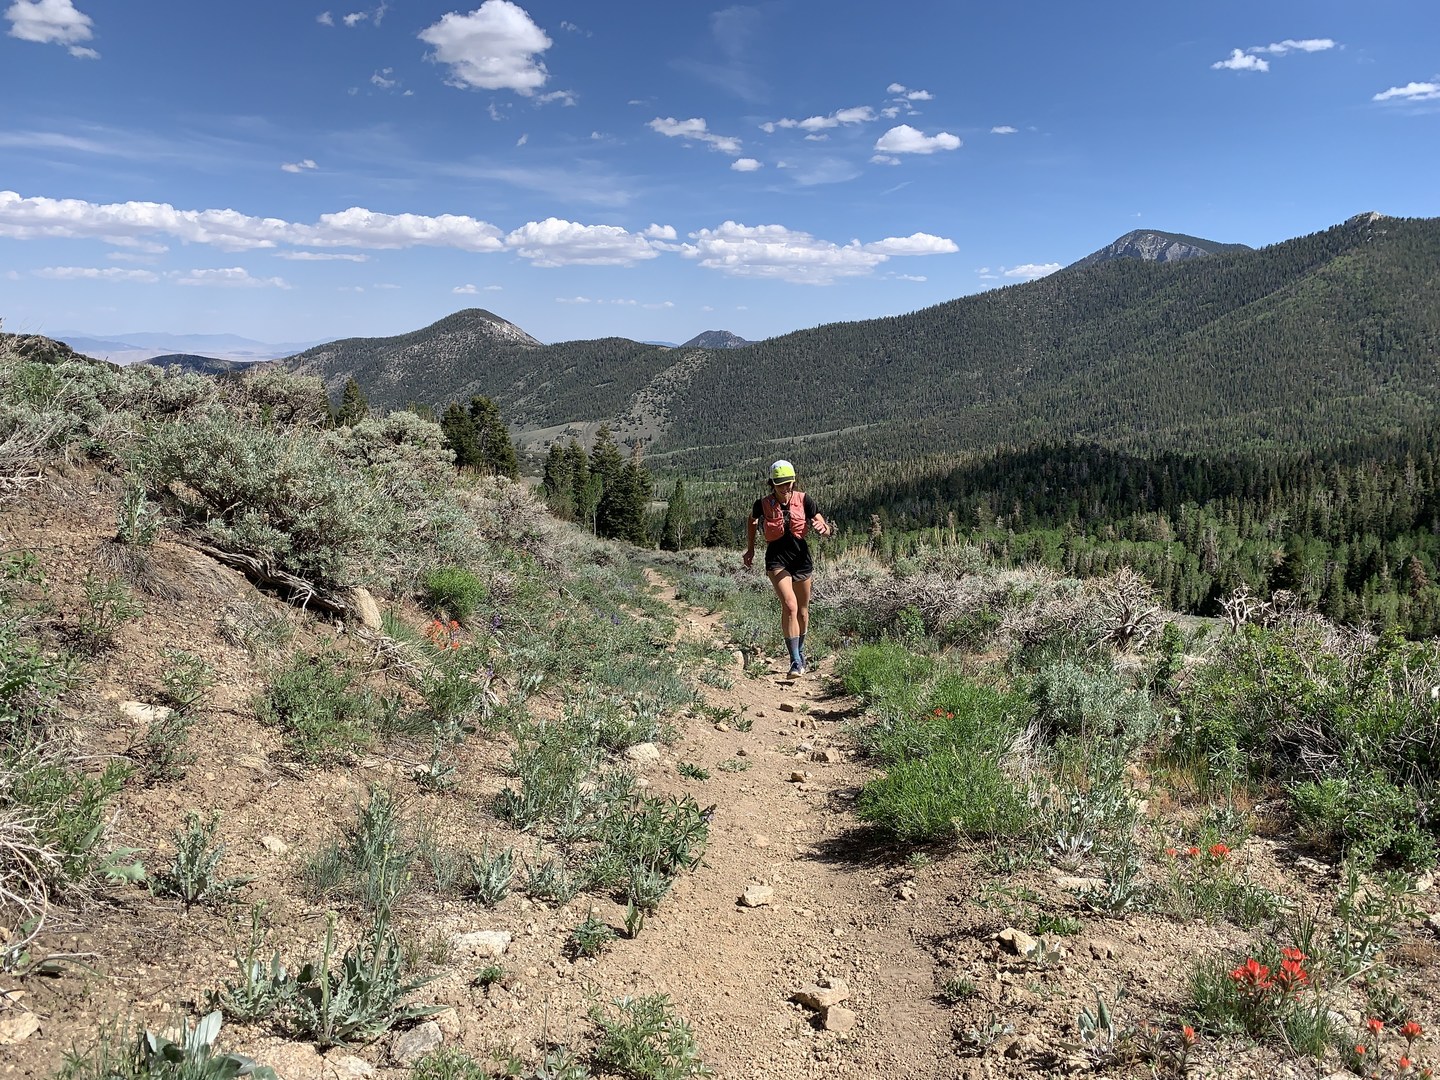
[
  {"x": 645, "y": 1040},
  {"x": 948, "y": 794},
  {"x": 371, "y": 860},
  {"x": 194, "y": 875},
  {"x": 1072, "y": 700},
  {"x": 316, "y": 705},
  {"x": 454, "y": 592}
]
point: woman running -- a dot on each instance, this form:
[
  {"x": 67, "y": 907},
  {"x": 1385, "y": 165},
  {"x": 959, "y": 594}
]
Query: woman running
[{"x": 785, "y": 516}]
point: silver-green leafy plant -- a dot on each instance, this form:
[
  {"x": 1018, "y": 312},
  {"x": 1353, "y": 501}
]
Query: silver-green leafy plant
[
  {"x": 194, "y": 875},
  {"x": 491, "y": 875}
]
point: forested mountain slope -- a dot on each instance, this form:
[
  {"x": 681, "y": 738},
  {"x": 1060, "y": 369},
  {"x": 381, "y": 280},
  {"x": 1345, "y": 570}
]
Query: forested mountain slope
[{"x": 1326, "y": 337}]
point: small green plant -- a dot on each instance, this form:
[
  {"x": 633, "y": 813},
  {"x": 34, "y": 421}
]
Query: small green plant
[
  {"x": 453, "y": 591},
  {"x": 448, "y": 1063},
  {"x": 491, "y": 875},
  {"x": 551, "y": 881},
  {"x": 109, "y": 605},
  {"x": 264, "y": 983},
  {"x": 1369, "y": 915},
  {"x": 1063, "y": 925},
  {"x": 187, "y": 679},
  {"x": 642, "y": 1038},
  {"x": 194, "y": 875},
  {"x": 744, "y": 723},
  {"x": 489, "y": 975},
  {"x": 692, "y": 772},
  {"x": 137, "y": 522},
  {"x": 316, "y": 705},
  {"x": 590, "y": 937},
  {"x": 371, "y": 860},
  {"x": 356, "y": 996},
  {"x": 187, "y": 1054},
  {"x": 734, "y": 765},
  {"x": 957, "y": 989},
  {"x": 164, "y": 749}
]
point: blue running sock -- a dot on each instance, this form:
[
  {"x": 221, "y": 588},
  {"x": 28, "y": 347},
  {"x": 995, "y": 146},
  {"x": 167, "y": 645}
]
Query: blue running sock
[{"x": 793, "y": 644}]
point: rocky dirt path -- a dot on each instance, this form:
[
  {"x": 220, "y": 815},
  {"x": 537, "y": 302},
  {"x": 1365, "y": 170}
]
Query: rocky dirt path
[{"x": 837, "y": 913}]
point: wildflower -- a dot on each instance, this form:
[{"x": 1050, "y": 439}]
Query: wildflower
[
  {"x": 1359, "y": 1050},
  {"x": 1171, "y": 852},
  {"x": 1291, "y": 976},
  {"x": 1187, "y": 1035},
  {"x": 1192, "y": 851},
  {"x": 1294, "y": 954},
  {"x": 1411, "y": 1031},
  {"x": 1252, "y": 975},
  {"x": 1375, "y": 1025},
  {"x": 1403, "y": 1064},
  {"x": 1219, "y": 851},
  {"x": 949, "y": 716}
]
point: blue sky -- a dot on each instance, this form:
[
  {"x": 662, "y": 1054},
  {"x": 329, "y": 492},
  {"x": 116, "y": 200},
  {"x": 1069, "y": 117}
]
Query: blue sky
[{"x": 292, "y": 172}]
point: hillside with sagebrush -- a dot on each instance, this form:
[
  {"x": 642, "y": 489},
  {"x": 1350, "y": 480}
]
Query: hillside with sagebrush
[{"x": 319, "y": 758}]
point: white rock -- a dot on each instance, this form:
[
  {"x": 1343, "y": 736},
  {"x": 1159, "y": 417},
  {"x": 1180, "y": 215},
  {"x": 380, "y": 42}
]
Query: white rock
[
  {"x": 483, "y": 943},
  {"x": 817, "y": 997},
  {"x": 838, "y": 1018},
  {"x": 142, "y": 713},
  {"x": 17, "y": 1027},
  {"x": 414, "y": 1044},
  {"x": 1015, "y": 941},
  {"x": 757, "y": 896},
  {"x": 643, "y": 752},
  {"x": 275, "y": 845},
  {"x": 350, "y": 1068},
  {"x": 366, "y": 610}
]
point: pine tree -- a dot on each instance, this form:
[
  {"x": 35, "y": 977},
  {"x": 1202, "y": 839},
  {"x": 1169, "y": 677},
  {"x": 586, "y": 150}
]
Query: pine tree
[
  {"x": 353, "y": 406},
  {"x": 460, "y": 436},
  {"x": 608, "y": 467},
  {"x": 675, "y": 528},
  {"x": 496, "y": 451},
  {"x": 719, "y": 533}
]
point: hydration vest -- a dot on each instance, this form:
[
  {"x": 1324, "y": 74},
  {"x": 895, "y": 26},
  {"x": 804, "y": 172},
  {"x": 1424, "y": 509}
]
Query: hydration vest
[{"x": 773, "y": 513}]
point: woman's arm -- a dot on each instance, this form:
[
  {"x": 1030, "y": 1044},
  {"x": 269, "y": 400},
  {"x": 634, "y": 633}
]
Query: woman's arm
[{"x": 749, "y": 542}]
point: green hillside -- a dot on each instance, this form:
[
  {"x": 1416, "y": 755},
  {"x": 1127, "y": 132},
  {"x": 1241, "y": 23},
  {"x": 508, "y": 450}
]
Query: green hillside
[{"x": 1329, "y": 336}]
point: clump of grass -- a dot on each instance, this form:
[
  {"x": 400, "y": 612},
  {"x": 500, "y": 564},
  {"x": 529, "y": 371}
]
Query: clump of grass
[
  {"x": 644, "y": 1039},
  {"x": 454, "y": 592},
  {"x": 324, "y": 716},
  {"x": 194, "y": 875}
]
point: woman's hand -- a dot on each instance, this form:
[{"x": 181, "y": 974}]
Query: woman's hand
[
  {"x": 749, "y": 558},
  {"x": 822, "y": 526}
]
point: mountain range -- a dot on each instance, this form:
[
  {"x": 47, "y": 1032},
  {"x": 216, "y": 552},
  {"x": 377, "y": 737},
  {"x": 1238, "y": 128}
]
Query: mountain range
[
  {"x": 1327, "y": 336},
  {"x": 141, "y": 346}
]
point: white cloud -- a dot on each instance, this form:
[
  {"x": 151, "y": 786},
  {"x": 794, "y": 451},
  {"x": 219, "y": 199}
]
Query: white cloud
[
  {"x": 905, "y": 139},
  {"x": 745, "y": 164},
  {"x": 382, "y": 79},
  {"x": 230, "y": 277},
  {"x": 884, "y": 159},
  {"x": 385, "y": 285},
  {"x": 356, "y": 17},
  {"x": 1002, "y": 129},
  {"x": 494, "y": 47},
  {"x": 895, "y": 88},
  {"x": 1280, "y": 48},
  {"x": 860, "y": 114},
  {"x": 909, "y": 277},
  {"x": 90, "y": 273},
  {"x": 695, "y": 129},
  {"x": 573, "y": 300},
  {"x": 321, "y": 256},
  {"x": 325, "y": 19},
  {"x": 465, "y": 290},
  {"x": 1253, "y": 58},
  {"x": 523, "y": 139},
  {"x": 1240, "y": 60},
  {"x": 915, "y": 244},
  {"x": 779, "y": 253},
  {"x": 555, "y": 242},
  {"x": 130, "y": 223},
  {"x": 565, "y": 97},
  {"x": 890, "y": 112},
  {"x": 919, "y": 95},
  {"x": 1030, "y": 271},
  {"x": 817, "y": 138},
  {"x": 298, "y": 166},
  {"x": 1415, "y": 91},
  {"x": 659, "y": 232},
  {"x": 51, "y": 22}
]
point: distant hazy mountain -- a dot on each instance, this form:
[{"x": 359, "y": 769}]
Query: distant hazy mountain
[
  {"x": 716, "y": 339},
  {"x": 134, "y": 348},
  {"x": 1150, "y": 245}
]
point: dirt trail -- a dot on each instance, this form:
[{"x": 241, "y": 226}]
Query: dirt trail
[{"x": 836, "y": 910}]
